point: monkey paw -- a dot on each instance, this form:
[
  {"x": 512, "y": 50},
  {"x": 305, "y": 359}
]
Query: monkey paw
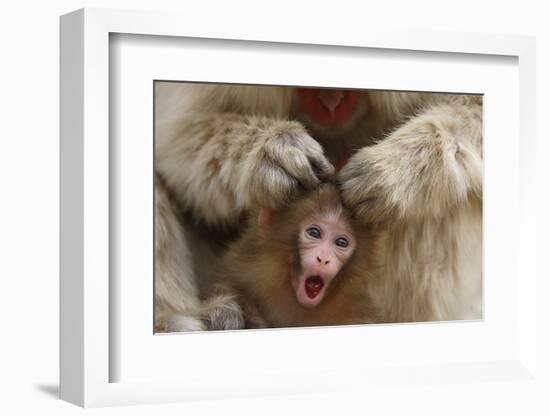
[
  {"x": 364, "y": 188},
  {"x": 183, "y": 323},
  {"x": 223, "y": 313},
  {"x": 289, "y": 160},
  {"x": 420, "y": 169}
]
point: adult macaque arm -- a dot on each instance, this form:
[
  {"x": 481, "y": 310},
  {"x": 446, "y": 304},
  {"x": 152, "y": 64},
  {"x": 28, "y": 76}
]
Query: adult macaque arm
[
  {"x": 428, "y": 167},
  {"x": 219, "y": 164}
]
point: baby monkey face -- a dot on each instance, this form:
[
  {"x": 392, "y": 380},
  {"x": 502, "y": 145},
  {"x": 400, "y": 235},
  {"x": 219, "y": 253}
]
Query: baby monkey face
[{"x": 326, "y": 243}]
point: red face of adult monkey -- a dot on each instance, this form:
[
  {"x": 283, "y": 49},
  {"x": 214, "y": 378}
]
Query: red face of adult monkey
[
  {"x": 331, "y": 109},
  {"x": 335, "y": 118}
]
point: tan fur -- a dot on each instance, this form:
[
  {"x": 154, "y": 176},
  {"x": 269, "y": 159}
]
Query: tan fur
[
  {"x": 423, "y": 185},
  {"x": 259, "y": 264},
  {"x": 417, "y": 174},
  {"x": 219, "y": 154},
  {"x": 176, "y": 295}
]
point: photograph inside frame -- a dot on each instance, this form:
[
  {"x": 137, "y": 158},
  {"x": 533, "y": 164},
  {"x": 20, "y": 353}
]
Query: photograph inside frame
[{"x": 300, "y": 207}]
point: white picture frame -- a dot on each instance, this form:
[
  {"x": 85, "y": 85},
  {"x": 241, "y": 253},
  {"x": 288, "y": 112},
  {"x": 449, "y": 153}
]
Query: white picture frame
[{"x": 87, "y": 303}]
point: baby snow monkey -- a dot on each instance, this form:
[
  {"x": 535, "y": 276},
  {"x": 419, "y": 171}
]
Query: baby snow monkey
[{"x": 305, "y": 265}]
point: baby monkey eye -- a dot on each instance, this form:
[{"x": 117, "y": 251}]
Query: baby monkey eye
[
  {"x": 341, "y": 242},
  {"x": 314, "y": 232}
]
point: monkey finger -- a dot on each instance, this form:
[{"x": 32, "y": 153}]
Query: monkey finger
[
  {"x": 272, "y": 186},
  {"x": 367, "y": 198},
  {"x": 293, "y": 160},
  {"x": 297, "y": 165},
  {"x": 322, "y": 167},
  {"x": 314, "y": 152}
]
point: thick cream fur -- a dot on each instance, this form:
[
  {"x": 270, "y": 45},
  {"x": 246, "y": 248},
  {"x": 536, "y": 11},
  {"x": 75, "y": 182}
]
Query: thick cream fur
[{"x": 418, "y": 175}]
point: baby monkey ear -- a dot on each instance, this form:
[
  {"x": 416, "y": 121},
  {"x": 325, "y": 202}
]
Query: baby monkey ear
[{"x": 265, "y": 218}]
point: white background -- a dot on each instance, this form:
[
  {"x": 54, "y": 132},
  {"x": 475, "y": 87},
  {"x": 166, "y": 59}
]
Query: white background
[{"x": 29, "y": 209}]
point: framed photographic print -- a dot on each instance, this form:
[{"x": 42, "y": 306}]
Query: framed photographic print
[{"x": 237, "y": 220}]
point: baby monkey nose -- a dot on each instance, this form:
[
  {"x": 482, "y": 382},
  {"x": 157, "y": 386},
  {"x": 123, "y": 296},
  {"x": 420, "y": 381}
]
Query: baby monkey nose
[{"x": 321, "y": 261}]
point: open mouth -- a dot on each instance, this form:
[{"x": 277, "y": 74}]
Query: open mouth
[{"x": 314, "y": 285}]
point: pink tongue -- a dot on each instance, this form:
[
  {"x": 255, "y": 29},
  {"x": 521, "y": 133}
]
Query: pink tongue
[{"x": 314, "y": 284}]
